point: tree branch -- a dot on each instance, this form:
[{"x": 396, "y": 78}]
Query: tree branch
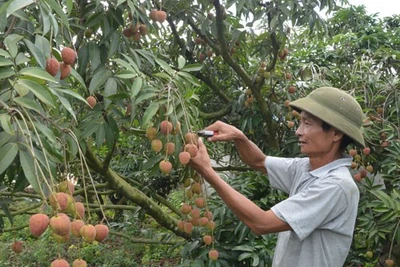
[{"x": 133, "y": 194}]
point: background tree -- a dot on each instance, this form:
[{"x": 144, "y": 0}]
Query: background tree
[{"x": 176, "y": 66}]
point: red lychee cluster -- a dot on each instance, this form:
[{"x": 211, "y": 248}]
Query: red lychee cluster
[
  {"x": 160, "y": 142},
  {"x": 67, "y": 220},
  {"x": 158, "y": 15},
  {"x": 135, "y": 31},
  {"x": 360, "y": 163},
  {"x": 53, "y": 66}
]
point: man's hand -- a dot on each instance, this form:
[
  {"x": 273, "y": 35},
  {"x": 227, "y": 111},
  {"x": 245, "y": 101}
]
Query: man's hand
[
  {"x": 223, "y": 132},
  {"x": 201, "y": 162}
]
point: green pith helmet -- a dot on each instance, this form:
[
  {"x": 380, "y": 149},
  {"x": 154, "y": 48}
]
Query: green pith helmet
[{"x": 337, "y": 108}]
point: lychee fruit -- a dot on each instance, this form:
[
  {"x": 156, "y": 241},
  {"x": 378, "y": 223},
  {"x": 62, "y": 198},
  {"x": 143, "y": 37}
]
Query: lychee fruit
[
  {"x": 160, "y": 16},
  {"x": 17, "y": 246},
  {"x": 156, "y": 145},
  {"x": 165, "y": 166},
  {"x": 169, "y": 148},
  {"x": 195, "y": 213},
  {"x": 66, "y": 187},
  {"x": 352, "y": 152},
  {"x": 68, "y": 55},
  {"x": 290, "y": 124},
  {"x": 101, "y": 232},
  {"x": 165, "y": 127},
  {"x": 211, "y": 225},
  {"x": 59, "y": 263},
  {"x": 288, "y": 76},
  {"x": 188, "y": 227},
  {"x": 208, "y": 214},
  {"x": 38, "y": 224},
  {"x": 357, "y": 177},
  {"x": 153, "y": 14},
  {"x": 88, "y": 33},
  {"x": 366, "y": 151},
  {"x": 184, "y": 157},
  {"x": 143, "y": 29},
  {"x": 202, "y": 57},
  {"x": 52, "y": 66},
  {"x": 369, "y": 169},
  {"x": 136, "y": 36},
  {"x": 60, "y": 224},
  {"x": 88, "y": 232},
  {"x": 213, "y": 254},
  {"x": 91, "y": 100},
  {"x": 292, "y": 89},
  {"x": 200, "y": 202},
  {"x": 191, "y": 138},
  {"x": 185, "y": 208},
  {"x": 389, "y": 263},
  {"x": 195, "y": 221},
  {"x": 76, "y": 226},
  {"x": 196, "y": 188},
  {"x": 177, "y": 128},
  {"x": 203, "y": 221},
  {"x": 192, "y": 149},
  {"x": 151, "y": 133},
  {"x": 180, "y": 225},
  {"x": 59, "y": 201},
  {"x": 127, "y": 32},
  {"x": 79, "y": 210},
  {"x": 65, "y": 70},
  {"x": 79, "y": 263},
  {"x": 207, "y": 239}
]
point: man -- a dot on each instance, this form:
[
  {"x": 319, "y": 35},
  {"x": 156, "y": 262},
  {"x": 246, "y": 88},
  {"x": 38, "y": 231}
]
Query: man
[{"x": 316, "y": 222}]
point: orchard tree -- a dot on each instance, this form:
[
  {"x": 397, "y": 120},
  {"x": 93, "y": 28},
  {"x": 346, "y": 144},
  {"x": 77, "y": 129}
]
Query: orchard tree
[{"x": 112, "y": 93}]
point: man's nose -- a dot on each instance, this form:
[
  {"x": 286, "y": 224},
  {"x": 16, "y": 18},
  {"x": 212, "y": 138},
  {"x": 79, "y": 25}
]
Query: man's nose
[{"x": 299, "y": 130}]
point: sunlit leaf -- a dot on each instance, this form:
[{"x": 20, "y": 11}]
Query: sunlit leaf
[{"x": 7, "y": 155}]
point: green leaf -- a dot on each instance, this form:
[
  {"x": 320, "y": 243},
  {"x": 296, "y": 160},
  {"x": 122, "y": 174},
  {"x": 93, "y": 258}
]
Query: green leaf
[
  {"x": 5, "y": 62},
  {"x": 152, "y": 162},
  {"x": 28, "y": 166},
  {"x": 37, "y": 73},
  {"x": 244, "y": 248},
  {"x": 5, "y": 122},
  {"x": 46, "y": 131},
  {"x": 36, "y": 53},
  {"x": 110, "y": 88},
  {"x": 41, "y": 92},
  {"x": 17, "y": 5},
  {"x": 99, "y": 79},
  {"x": 67, "y": 106},
  {"x": 181, "y": 62},
  {"x": 244, "y": 256},
  {"x": 144, "y": 96},
  {"x": 58, "y": 9},
  {"x": 6, "y": 72},
  {"x": 28, "y": 103},
  {"x": 7, "y": 155},
  {"x": 164, "y": 65},
  {"x": 4, "y": 206},
  {"x": 193, "y": 67},
  {"x": 136, "y": 87},
  {"x": 150, "y": 112}
]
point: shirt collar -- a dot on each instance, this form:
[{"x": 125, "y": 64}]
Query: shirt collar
[{"x": 344, "y": 161}]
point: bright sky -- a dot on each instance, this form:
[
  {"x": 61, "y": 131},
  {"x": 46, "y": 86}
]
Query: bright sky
[{"x": 383, "y": 7}]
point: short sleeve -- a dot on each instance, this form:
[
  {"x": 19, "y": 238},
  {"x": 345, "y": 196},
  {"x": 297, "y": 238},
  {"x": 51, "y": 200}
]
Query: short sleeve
[
  {"x": 281, "y": 171},
  {"x": 312, "y": 208}
]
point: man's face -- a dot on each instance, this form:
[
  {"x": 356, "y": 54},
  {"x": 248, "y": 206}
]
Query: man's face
[{"x": 313, "y": 140}]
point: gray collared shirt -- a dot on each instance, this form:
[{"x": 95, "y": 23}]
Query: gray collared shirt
[{"x": 321, "y": 209}]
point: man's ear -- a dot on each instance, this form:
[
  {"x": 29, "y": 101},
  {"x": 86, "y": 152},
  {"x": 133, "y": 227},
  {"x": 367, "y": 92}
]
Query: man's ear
[{"x": 337, "y": 135}]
